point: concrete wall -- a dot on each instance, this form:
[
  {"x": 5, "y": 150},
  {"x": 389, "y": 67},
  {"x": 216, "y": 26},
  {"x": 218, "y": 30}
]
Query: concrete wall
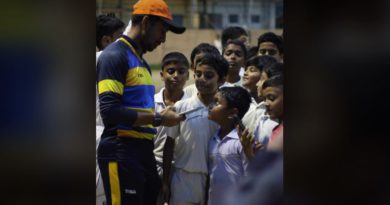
[{"x": 185, "y": 42}]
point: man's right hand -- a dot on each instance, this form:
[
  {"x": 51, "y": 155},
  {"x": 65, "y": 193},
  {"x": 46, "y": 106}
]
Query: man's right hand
[{"x": 170, "y": 117}]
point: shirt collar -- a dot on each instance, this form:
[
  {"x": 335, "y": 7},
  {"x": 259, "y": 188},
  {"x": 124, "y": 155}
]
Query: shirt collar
[
  {"x": 159, "y": 96},
  {"x": 232, "y": 135},
  {"x": 261, "y": 104},
  {"x": 131, "y": 41}
]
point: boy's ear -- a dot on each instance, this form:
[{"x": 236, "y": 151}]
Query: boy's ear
[{"x": 161, "y": 75}]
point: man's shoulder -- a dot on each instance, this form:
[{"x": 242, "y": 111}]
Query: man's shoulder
[{"x": 112, "y": 52}]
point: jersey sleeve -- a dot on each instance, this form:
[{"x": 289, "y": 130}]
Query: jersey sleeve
[{"x": 111, "y": 74}]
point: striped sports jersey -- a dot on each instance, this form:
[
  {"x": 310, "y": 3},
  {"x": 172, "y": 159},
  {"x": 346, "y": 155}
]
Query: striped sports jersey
[{"x": 125, "y": 87}]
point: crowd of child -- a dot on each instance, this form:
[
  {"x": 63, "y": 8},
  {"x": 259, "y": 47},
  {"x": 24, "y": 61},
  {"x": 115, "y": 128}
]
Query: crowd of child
[{"x": 208, "y": 157}]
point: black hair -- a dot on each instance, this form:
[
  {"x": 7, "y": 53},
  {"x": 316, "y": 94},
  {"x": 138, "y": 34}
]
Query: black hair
[
  {"x": 273, "y": 38},
  {"x": 274, "y": 81},
  {"x": 273, "y": 69},
  {"x": 252, "y": 52},
  {"x": 107, "y": 25},
  {"x": 238, "y": 43},
  {"x": 260, "y": 62},
  {"x": 203, "y": 48},
  {"x": 232, "y": 33},
  {"x": 174, "y": 57},
  {"x": 236, "y": 97},
  {"x": 217, "y": 62}
]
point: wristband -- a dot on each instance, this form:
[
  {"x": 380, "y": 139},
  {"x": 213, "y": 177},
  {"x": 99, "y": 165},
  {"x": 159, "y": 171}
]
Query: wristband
[{"x": 157, "y": 119}]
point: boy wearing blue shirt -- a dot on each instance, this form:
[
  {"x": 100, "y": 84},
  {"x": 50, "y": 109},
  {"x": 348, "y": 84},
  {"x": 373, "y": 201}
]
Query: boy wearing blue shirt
[{"x": 227, "y": 161}]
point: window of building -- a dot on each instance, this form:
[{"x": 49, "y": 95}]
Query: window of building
[
  {"x": 233, "y": 18},
  {"x": 216, "y": 21},
  {"x": 177, "y": 19},
  {"x": 255, "y": 18},
  {"x": 279, "y": 15}
]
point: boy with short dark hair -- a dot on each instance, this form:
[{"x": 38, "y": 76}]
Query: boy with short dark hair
[
  {"x": 108, "y": 29},
  {"x": 227, "y": 160},
  {"x": 235, "y": 33},
  {"x": 190, "y": 138},
  {"x": 253, "y": 70},
  {"x": 196, "y": 53},
  {"x": 271, "y": 44},
  {"x": 174, "y": 73},
  {"x": 235, "y": 55},
  {"x": 273, "y": 93},
  {"x": 265, "y": 123}
]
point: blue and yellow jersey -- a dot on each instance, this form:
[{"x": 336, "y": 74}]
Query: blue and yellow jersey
[{"x": 125, "y": 85}]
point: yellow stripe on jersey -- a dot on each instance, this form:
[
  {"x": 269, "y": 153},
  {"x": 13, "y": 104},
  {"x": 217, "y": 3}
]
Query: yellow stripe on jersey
[
  {"x": 151, "y": 110},
  {"x": 134, "y": 134},
  {"x": 109, "y": 85},
  {"x": 138, "y": 76},
  {"x": 114, "y": 183}
]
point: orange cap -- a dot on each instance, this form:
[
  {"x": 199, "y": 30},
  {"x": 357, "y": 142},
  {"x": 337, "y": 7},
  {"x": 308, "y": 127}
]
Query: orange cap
[{"x": 157, "y": 8}]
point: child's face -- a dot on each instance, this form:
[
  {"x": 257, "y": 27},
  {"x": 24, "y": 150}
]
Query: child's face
[
  {"x": 270, "y": 49},
  {"x": 234, "y": 56},
  {"x": 259, "y": 84},
  {"x": 174, "y": 75},
  {"x": 274, "y": 101},
  {"x": 218, "y": 112},
  {"x": 206, "y": 79},
  {"x": 251, "y": 77}
]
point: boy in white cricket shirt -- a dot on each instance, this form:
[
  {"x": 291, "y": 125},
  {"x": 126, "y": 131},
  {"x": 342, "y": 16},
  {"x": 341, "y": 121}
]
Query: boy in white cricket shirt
[
  {"x": 191, "y": 137},
  {"x": 174, "y": 74}
]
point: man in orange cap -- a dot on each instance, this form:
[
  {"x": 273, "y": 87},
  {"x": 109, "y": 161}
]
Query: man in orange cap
[{"x": 126, "y": 95}]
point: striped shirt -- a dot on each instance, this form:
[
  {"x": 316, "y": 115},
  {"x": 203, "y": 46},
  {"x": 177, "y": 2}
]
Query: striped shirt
[{"x": 125, "y": 87}]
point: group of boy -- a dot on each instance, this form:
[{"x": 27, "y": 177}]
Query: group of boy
[
  {"x": 207, "y": 153},
  {"x": 196, "y": 155}
]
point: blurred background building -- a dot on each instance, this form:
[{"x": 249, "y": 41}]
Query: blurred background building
[
  {"x": 205, "y": 20},
  {"x": 210, "y": 14}
]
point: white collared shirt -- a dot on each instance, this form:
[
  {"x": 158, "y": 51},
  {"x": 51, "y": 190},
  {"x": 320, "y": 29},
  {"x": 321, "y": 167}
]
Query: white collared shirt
[
  {"x": 252, "y": 115},
  {"x": 161, "y": 135},
  {"x": 192, "y": 136},
  {"x": 227, "y": 165},
  {"x": 227, "y": 84},
  {"x": 191, "y": 90},
  {"x": 264, "y": 127}
]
